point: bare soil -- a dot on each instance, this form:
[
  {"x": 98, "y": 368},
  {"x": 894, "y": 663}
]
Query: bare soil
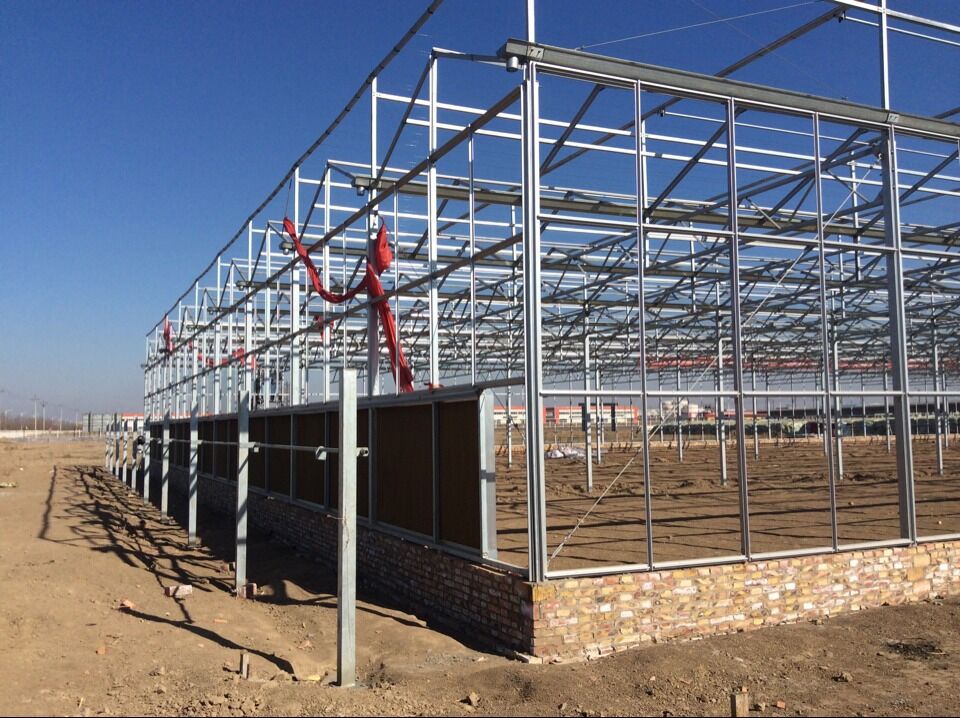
[
  {"x": 75, "y": 544},
  {"x": 696, "y": 516}
]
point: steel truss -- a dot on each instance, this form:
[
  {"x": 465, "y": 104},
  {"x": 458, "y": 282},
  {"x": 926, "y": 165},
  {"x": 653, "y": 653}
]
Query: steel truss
[{"x": 687, "y": 235}]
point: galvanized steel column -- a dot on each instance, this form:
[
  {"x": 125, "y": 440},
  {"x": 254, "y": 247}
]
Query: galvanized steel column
[
  {"x": 898, "y": 336},
  {"x": 347, "y": 540},
  {"x": 536, "y": 503}
]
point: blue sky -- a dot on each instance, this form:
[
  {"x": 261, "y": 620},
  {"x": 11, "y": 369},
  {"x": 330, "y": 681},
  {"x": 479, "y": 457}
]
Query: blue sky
[{"x": 135, "y": 137}]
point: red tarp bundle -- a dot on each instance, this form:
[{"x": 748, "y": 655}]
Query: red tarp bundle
[
  {"x": 167, "y": 335},
  {"x": 237, "y": 353},
  {"x": 382, "y": 257}
]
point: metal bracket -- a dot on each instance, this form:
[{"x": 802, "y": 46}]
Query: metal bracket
[{"x": 321, "y": 453}]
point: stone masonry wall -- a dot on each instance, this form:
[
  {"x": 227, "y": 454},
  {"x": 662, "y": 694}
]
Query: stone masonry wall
[
  {"x": 480, "y": 604},
  {"x": 590, "y": 617}
]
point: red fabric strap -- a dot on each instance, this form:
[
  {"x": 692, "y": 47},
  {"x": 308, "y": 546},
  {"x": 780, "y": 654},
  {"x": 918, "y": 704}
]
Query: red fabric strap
[
  {"x": 382, "y": 257},
  {"x": 168, "y": 335}
]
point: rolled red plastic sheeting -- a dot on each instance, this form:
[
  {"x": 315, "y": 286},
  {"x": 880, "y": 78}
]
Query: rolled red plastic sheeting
[{"x": 382, "y": 258}]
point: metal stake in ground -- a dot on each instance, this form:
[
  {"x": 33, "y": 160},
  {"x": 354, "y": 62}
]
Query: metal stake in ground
[{"x": 347, "y": 544}]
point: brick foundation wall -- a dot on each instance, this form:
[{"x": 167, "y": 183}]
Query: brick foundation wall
[
  {"x": 481, "y": 604},
  {"x": 590, "y": 617}
]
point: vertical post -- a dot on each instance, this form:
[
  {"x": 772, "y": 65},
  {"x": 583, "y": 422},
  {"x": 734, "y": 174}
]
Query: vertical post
[
  {"x": 509, "y": 427},
  {"x": 231, "y": 382},
  {"x": 536, "y": 509},
  {"x": 373, "y": 330},
  {"x": 165, "y": 465},
  {"x": 945, "y": 406},
  {"x": 898, "y": 335},
  {"x": 243, "y": 474},
  {"x": 756, "y": 433},
  {"x": 937, "y": 413},
  {"x": 587, "y": 443},
  {"x": 216, "y": 338},
  {"x": 194, "y": 458},
  {"x": 147, "y": 458},
  {"x": 766, "y": 388},
  {"x": 838, "y": 405},
  {"x": 270, "y": 365},
  {"x": 148, "y": 378},
  {"x": 347, "y": 541},
  {"x": 824, "y": 333},
  {"x": 641, "y": 185},
  {"x": 108, "y": 452},
  {"x": 243, "y": 450},
  {"x": 721, "y": 409},
  {"x": 326, "y": 334},
  {"x": 115, "y": 439},
  {"x": 863, "y": 407},
  {"x": 396, "y": 284},
  {"x": 679, "y": 421},
  {"x": 296, "y": 397},
  {"x": 884, "y": 57},
  {"x": 886, "y": 410},
  {"x": 599, "y": 424},
  {"x": 472, "y": 227},
  {"x": 296, "y": 365},
  {"x": 434, "y": 337},
  {"x": 510, "y": 334},
  {"x": 116, "y": 447},
  {"x": 488, "y": 476},
  {"x": 296, "y": 322},
  {"x": 124, "y": 438},
  {"x": 736, "y": 327}
]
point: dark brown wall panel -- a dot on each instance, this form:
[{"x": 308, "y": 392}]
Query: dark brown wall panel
[
  {"x": 278, "y": 460},
  {"x": 363, "y": 463},
  {"x": 309, "y": 471},
  {"x": 333, "y": 460},
  {"x": 221, "y": 454},
  {"x": 459, "y": 449},
  {"x": 405, "y": 467},
  {"x": 185, "y": 444},
  {"x": 255, "y": 475},
  {"x": 156, "y": 447},
  {"x": 179, "y": 448},
  {"x": 232, "y": 435},
  {"x": 205, "y": 433}
]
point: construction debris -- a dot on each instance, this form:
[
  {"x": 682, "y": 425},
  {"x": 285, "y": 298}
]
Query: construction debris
[{"x": 180, "y": 591}]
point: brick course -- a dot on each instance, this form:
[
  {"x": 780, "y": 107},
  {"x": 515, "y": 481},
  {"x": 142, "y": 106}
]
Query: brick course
[
  {"x": 588, "y": 617},
  {"x": 481, "y": 604},
  {"x": 596, "y": 616}
]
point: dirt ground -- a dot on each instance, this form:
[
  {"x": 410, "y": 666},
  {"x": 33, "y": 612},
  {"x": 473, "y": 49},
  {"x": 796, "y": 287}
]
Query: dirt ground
[
  {"x": 694, "y": 516},
  {"x": 75, "y": 544}
]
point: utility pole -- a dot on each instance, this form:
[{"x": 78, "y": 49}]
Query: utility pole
[{"x": 35, "y": 400}]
